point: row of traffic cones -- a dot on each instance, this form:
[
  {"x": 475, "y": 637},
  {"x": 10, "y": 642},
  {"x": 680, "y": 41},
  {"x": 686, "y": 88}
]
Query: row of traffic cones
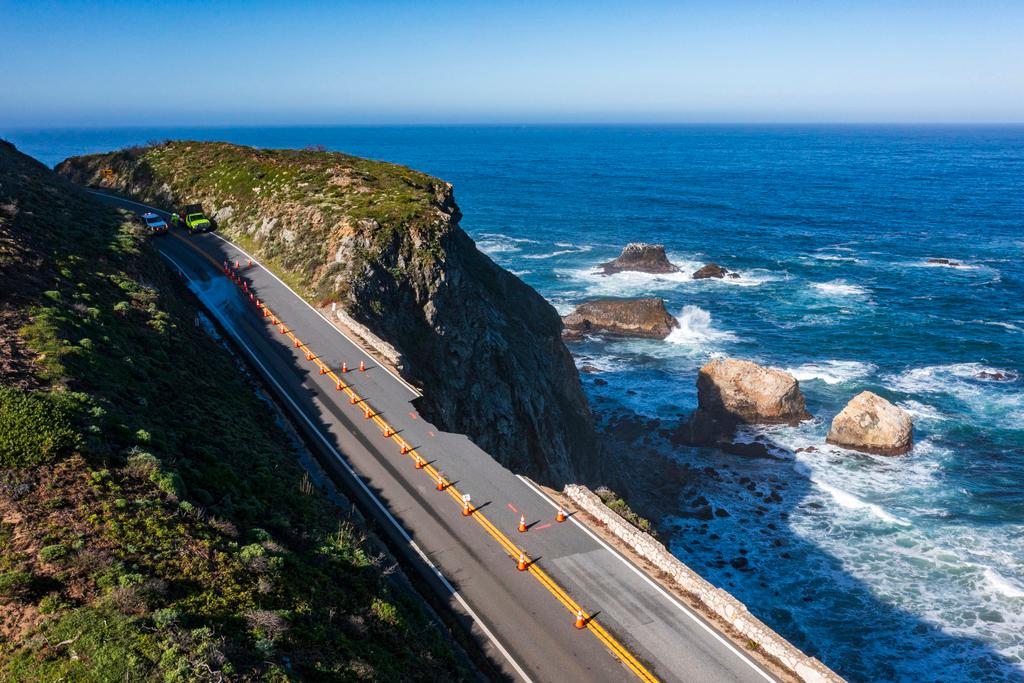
[{"x": 522, "y": 562}]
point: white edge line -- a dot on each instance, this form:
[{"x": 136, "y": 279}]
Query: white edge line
[
  {"x": 686, "y": 610},
  {"x": 353, "y": 474},
  {"x": 334, "y": 327}
]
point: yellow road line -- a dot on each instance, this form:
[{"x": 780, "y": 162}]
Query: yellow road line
[{"x": 507, "y": 545}]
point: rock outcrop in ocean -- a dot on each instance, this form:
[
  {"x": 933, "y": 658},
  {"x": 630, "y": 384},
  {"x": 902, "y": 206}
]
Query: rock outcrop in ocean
[
  {"x": 871, "y": 424},
  {"x": 384, "y": 243},
  {"x": 711, "y": 270},
  {"x": 731, "y": 392},
  {"x": 642, "y": 258},
  {"x": 621, "y": 317}
]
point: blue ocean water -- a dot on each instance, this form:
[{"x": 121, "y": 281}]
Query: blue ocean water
[{"x": 907, "y": 568}]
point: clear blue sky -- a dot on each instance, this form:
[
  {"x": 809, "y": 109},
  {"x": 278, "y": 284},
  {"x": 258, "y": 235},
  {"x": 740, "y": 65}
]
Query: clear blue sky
[{"x": 237, "y": 63}]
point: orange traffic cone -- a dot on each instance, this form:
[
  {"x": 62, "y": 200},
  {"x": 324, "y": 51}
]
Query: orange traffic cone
[
  {"x": 323, "y": 369},
  {"x": 236, "y": 265},
  {"x": 281, "y": 329},
  {"x": 362, "y": 366},
  {"x": 353, "y": 400},
  {"x": 337, "y": 385},
  {"x": 560, "y": 516},
  {"x": 466, "y": 510},
  {"x": 298, "y": 344},
  {"x": 245, "y": 286},
  {"x": 521, "y": 564},
  {"x": 344, "y": 367},
  {"x": 250, "y": 264},
  {"x": 309, "y": 354},
  {"x": 440, "y": 481},
  {"x": 404, "y": 449},
  {"x": 580, "y": 621},
  {"x": 522, "y": 523},
  {"x": 419, "y": 462},
  {"x": 366, "y": 413},
  {"x": 388, "y": 432}
]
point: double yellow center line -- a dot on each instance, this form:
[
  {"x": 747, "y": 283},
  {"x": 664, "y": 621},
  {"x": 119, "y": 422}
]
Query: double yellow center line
[{"x": 510, "y": 548}]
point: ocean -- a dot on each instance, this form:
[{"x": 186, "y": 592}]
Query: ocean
[{"x": 886, "y": 568}]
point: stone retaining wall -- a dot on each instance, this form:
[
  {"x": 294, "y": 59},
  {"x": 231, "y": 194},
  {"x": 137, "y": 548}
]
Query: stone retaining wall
[
  {"x": 720, "y": 602},
  {"x": 389, "y": 352}
]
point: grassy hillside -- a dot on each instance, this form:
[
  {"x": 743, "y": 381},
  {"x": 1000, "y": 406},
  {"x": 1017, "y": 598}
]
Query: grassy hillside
[
  {"x": 154, "y": 523},
  {"x": 298, "y": 207},
  {"x": 384, "y": 243}
]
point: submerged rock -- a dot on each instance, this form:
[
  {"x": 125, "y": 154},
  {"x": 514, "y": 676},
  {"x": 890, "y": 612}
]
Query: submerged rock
[
  {"x": 943, "y": 262},
  {"x": 731, "y": 392},
  {"x": 995, "y": 376},
  {"x": 642, "y": 258},
  {"x": 871, "y": 424},
  {"x": 709, "y": 271},
  {"x": 621, "y": 317}
]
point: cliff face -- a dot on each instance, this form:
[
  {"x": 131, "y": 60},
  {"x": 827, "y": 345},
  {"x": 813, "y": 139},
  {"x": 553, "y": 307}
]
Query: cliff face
[{"x": 383, "y": 242}]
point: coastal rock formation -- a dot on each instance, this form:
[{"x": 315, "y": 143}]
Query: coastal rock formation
[
  {"x": 384, "y": 243},
  {"x": 871, "y": 424},
  {"x": 731, "y": 392},
  {"x": 708, "y": 271},
  {"x": 621, "y": 317},
  {"x": 640, "y": 257}
]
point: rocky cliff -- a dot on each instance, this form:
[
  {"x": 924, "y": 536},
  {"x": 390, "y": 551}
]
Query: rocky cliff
[{"x": 384, "y": 242}]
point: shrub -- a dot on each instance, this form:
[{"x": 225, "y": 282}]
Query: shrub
[
  {"x": 15, "y": 583},
  {"x": 168, "y": 616},
  {"x": 52, "y": 603},
  {"x": 35, "y": 427},
  {"x": 52, "y": 553},
  {"x": 141, "y": 465}
]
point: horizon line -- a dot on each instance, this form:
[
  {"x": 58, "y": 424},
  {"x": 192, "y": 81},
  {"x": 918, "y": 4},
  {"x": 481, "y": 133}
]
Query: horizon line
[{"x": 522, "y": 124}]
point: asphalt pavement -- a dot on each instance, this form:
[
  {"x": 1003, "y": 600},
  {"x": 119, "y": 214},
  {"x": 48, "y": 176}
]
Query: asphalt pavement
[{"x": 524, "y": 629}]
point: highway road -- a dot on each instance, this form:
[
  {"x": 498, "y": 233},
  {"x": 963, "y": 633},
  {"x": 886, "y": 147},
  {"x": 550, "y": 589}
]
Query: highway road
[{"x": 524, "y": 620}]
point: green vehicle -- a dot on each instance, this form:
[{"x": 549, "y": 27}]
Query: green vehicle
[{"x": 196, "y": 220}]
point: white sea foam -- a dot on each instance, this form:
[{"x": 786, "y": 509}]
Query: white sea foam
[
  {"x": 831, "y": 371},
  {"x": 1004, "y": 325},
  {"x": 627, "y": 283},
  {"x": 836, "y": 258},
  {"x": 492, "y": 243},
  {"x": 999, "y": 584},
  {"x": 922, "y": 411},
  {"x": 851, "y": 502},
  {"x": 559, "y": 252},
  {"x": 695, "y": 329},
  {"x": 840, "y": 288},
  {"x": 964, "y": 380},
  {"x": 748, "y": 278}
]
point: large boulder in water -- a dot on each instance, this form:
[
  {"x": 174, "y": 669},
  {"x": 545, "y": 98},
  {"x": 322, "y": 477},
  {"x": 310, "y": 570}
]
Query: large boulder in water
[
  {"x": 750, "y": 393},
  {"x": 871, "y": 424},
  {"x": 731, "y": 392},
  {"x": 640, "y": 257},
  {"x": 621, "y": 317}
]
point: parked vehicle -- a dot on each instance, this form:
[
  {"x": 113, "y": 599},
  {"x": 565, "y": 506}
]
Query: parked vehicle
[
  {"x": 156, "y": 225},
  {"x": 195, "y": 219}
]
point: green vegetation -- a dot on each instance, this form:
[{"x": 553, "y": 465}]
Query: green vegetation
[
  {"x": 294, "y": 208},
  {"x": 619, "y": 507},
  {"x": 35, "y": 427},
  {"x": 163, "y": 528}
]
